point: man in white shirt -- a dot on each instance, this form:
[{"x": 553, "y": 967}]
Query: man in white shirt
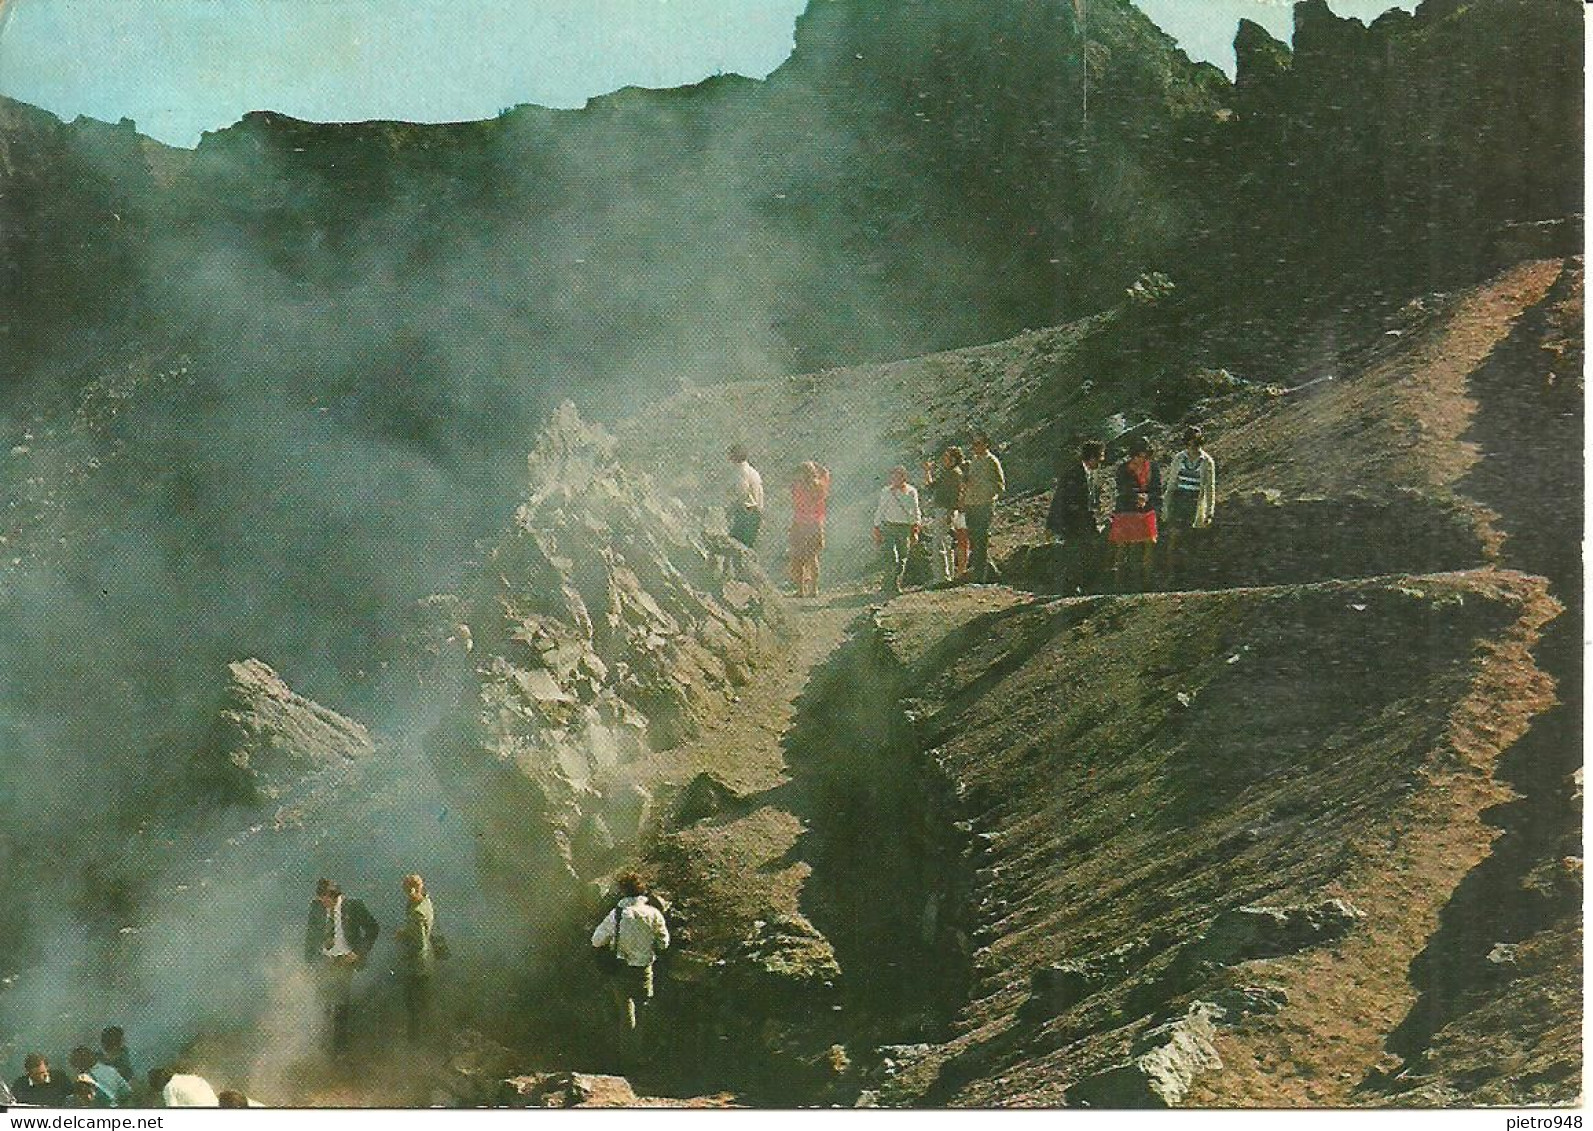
[
  {"x": 897, "y": 523},
  {"x": 337, "y": 938},
  {"x": 181, "y": 1089},
  {"x": 635, "y": 932},
  {"x": 744, "y": 509}
]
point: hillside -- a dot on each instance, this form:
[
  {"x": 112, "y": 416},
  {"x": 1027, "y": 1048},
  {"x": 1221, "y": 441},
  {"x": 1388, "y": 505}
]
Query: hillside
[
  {"x": 359, "y": 513},
  {"x": 1294, "y": 836}
]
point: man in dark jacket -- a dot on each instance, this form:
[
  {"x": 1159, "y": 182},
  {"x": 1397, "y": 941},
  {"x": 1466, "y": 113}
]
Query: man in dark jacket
[
  {"x": 42, "y": 1085},
  {"x": 338, "y": 937},
  {"x": 1073, "y": 519}
]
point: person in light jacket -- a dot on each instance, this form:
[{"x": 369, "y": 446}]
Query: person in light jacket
[
  {"x": 898, "y": 520},
  {"x": 1190, "y": 497},
  {"x": 636, "y": 932},
  {"x": 417, "y": 955}
]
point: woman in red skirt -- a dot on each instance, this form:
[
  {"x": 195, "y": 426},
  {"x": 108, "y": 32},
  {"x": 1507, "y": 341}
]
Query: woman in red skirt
[
  {"x": 1133, "y": 529},
  {"x": 809, "y": 493}
]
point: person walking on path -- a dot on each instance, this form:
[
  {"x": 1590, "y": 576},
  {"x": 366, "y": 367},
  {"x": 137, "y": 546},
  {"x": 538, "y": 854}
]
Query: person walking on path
[
  {"x": 943, "y": 486},
  {"x": 1190, "y": 499},
  {"x": 417, "y": 955},
  {"x": 1072, "y": 518},
  {"x": 1133, "y": 531},
  {"x": 636, "y": 932},
  {"x": 810, "y": 492},
  {"x": 984, "y": 484},
  {"x": 338, "y": 936},
  {"x": 898, "y": 520},
  {"x": 744, "y": 509}
]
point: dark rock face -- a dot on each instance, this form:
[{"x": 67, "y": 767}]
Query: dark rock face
[
  {"x": 267, "y": 737},
  {"x": 704, "y": 797},
  {"x": 787, "y": 958},
  {"x": 1421, "y": 143},
  {"x": 602, "y": 626},
  {"x": 1245, "y": 933}
]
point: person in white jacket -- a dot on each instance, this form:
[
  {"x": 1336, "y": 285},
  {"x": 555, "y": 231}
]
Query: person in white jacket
[
  {"x": 635, "y": 932},
  {"x": 898, "y": 520},
  {"x": 1190, "y": 497}
]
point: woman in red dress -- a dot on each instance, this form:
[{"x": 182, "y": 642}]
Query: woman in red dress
[
  {"x": 1133, "y": 529},
  {"x": 809, "y": 492}
]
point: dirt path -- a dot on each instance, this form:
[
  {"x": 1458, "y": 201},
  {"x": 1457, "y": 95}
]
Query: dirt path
[{"x": 743, "y": 743}]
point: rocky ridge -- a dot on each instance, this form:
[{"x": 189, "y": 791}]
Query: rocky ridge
[{"x": 603, "y": 625}]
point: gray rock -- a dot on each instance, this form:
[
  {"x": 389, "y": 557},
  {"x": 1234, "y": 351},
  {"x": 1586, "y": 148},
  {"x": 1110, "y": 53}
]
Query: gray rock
[
  {"x": 1502, "y": 955},
  {"x": 1246, "y": 933},
  {"x": 267, "y": 738},
  {"x": 602, "y": 624},
  {"x": 1236, "y": 1002},
  {"x": 626, "y": 811},
  {"x": 1166, "y": 1062}
]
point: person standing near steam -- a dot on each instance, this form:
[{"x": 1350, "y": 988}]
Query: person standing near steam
[
  {"x": 744, "y": 513},
  {"x": 809, "y": 492},
  {"x": 417, "y": 951},
  {"x": 635, "y": 933},
  {"x": 898, "y": 521},
  {"x": 338, "y": 937}
]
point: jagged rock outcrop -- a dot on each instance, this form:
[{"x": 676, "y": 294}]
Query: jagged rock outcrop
[
  {"x": 267, "y": 737},
  {"x": 601, "y": 627},
  {"x": 1167, "y": 1060}
]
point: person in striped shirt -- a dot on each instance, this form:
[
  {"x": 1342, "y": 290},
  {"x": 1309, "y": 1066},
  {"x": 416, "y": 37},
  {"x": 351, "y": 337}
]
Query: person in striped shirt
[{"x": 1190, "y": 497}]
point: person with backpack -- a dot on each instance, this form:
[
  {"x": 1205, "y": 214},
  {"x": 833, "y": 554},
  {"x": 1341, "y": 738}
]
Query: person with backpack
[{"x": 634, "y": 933}]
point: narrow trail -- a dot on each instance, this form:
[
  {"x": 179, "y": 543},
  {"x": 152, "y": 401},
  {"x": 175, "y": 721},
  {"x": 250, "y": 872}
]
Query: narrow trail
[{"x": 742, "y": 742}]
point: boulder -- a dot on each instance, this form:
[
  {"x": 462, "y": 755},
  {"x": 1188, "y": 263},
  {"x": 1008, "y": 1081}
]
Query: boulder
[
  {"x": 1244, "y": 933},
  {"x": 786, "y": 957},
  {"x": 1166, "y": 1061},
  {"x": 267, "y": 738}
]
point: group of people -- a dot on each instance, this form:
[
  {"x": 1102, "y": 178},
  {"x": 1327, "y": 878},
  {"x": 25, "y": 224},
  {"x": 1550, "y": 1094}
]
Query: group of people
[
  {"x": 339, "y": 935},
  {"x": 962, "y": 493},
  {"x": 103, "y": 1078},
  {"x": 1146, "y": 507},
  {"x": 947, "y": 522}
]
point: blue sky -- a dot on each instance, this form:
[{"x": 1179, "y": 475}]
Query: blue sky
[{"x": 178, "y": 67}]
